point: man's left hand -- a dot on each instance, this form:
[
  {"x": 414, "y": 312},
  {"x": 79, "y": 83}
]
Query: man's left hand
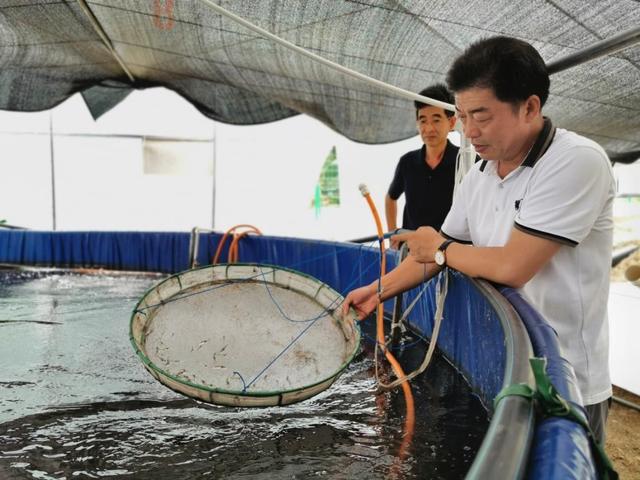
[{"x": 422, "y": 243}]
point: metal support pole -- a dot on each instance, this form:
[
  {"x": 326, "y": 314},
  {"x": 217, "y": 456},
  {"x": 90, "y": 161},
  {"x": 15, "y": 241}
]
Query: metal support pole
[
  {"x": 213, "y": 179},
  {"x": 599, "y": 49},
  {"x": 396, "y": 326},
  {"x": 53, "y": 172}
]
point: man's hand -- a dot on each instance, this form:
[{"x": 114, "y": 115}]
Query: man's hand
[
  {"x": 422, "y": 243},
  {"x": 394, "y": 244},
  {"x": 363, "y": 300}
]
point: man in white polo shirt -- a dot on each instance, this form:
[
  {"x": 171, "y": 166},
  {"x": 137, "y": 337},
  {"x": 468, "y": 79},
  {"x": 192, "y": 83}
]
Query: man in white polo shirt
[{"x": 534, "y": 214}]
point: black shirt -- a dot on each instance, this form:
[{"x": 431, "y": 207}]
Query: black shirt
[{"x": 428, "y": 192}]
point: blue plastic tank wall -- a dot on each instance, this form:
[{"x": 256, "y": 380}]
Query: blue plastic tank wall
[
  {"x": 470, "y": 334},
  {"x": 165, "y": 252},
  {"x": 341, "y": 265}
]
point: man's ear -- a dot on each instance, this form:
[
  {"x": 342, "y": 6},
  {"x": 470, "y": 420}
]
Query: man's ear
[
  {"x": 452, "y": 122},
  {"x": 532, "y": 107}
]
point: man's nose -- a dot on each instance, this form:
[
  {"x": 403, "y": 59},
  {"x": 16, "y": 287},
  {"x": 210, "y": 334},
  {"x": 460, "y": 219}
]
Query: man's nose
[
  {"x": 427, "y": 126},
  {"x": 470, "y": 130}
]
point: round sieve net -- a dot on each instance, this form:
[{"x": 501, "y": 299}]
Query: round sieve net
[{"x": 244, "y": 335}]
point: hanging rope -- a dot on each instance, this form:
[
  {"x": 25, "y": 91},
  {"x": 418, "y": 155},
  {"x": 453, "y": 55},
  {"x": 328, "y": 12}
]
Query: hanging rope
[
  {"x": 95, "y": 23},
  {"x": 441, "y": 295},
  {"x": 400, "y": 92}
]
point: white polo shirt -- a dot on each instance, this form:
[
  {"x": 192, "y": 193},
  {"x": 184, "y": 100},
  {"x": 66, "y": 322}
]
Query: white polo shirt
[{"x": 565, "y": 194}]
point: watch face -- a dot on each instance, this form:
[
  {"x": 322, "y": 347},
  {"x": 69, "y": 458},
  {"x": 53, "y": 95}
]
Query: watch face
[{"x": 439, "y": 257}]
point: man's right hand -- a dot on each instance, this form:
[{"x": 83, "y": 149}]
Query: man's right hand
[{"x": 364, "y": 300}]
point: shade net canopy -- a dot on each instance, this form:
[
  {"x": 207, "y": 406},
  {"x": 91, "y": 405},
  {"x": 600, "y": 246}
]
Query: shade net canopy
[{"x": 51, "y": 50}]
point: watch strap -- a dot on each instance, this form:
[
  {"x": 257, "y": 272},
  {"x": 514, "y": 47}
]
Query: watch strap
[
  {"x": 445, "y": 245},
  {"x": 441, "y": 258}
]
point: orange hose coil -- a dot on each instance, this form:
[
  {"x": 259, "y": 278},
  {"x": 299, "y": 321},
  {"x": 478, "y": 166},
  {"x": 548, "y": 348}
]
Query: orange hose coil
[{"x": 234, "y": 251}]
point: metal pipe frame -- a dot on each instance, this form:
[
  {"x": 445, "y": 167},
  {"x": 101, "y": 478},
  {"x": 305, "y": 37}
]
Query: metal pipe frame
[{"x": 598, "y": 49}]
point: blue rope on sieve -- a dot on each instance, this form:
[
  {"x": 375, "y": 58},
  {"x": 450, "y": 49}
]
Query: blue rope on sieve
[
  {"x": 311, "y": 321},
  {"x": 295, "y": 265},
  {"x": 306, "y": 329}
]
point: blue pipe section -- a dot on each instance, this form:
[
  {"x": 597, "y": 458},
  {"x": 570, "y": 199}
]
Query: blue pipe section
[{"x": 555, "y": 437}]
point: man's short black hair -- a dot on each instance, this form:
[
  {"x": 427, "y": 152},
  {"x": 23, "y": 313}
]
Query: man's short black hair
[
  {"x": 437, "y": 91},
  {"x": 512, "y": 68}
]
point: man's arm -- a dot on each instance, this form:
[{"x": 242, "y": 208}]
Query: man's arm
[
  {"x": 405, "y": 276},
  {"x": 514, "y": 264},
  {"x": 391, "y": 211}
]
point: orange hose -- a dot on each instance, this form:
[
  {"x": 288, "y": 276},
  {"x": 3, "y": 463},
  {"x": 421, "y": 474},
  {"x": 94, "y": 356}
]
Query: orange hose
[
  {"x": 383, "y": 262},
  {"x": 233, "y": 253},
  {"x": 409, "y": 424}
]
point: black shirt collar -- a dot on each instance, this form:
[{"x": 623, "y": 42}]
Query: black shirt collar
[
  {"x": 450, "y": 153},
  {"x": 541, "y": 145}
]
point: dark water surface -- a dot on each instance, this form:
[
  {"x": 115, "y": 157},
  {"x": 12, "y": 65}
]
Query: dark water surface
[{"x": 75, "y": 402}]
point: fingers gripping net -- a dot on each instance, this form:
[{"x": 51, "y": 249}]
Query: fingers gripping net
[{"x": 243, "y": 335}]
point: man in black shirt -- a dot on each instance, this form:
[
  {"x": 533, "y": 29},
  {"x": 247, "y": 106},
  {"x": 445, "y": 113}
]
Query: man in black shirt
[{"x": 426, "y": 176}]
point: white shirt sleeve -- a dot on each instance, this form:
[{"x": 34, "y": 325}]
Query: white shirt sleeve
[{"x": 566, "y": 194}]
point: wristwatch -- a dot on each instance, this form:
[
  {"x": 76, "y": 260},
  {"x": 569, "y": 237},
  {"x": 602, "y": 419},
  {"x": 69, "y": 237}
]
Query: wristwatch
[{"x": 440, "y": 257}]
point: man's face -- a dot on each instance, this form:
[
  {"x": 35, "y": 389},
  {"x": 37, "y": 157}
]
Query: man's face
[
  {"x": 495, "y": 128},
  {"x": 434, "y": 125}
]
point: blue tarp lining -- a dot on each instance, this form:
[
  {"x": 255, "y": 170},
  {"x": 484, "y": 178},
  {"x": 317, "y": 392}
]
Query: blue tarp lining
[
  {"x": 555, "y": 437},
  {"x": 471, "y": 335},
  {"x": 342, "y": 265},
  {"x": 339, "y": 264},
  {"x": 138, "y": 251}
]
